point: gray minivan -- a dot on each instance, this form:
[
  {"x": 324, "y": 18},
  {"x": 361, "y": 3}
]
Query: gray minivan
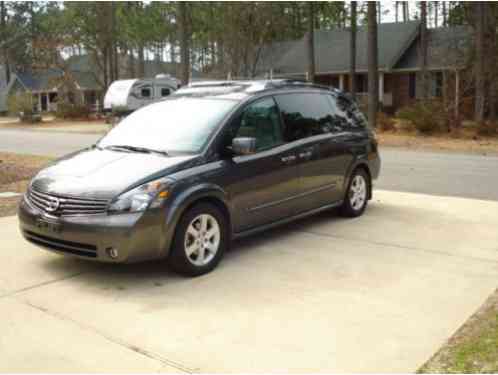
[{"x": 181, "y": 178}]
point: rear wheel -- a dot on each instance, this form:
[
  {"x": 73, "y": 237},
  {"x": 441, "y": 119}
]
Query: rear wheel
[
  {"x": 357, "y": 194},
  {"x": 200, "y": 240}
]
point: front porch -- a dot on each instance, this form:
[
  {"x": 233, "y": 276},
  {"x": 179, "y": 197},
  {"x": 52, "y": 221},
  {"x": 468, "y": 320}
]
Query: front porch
[
  {"x": 46, "y": 101},
  {"x": 395, "y": 89}
]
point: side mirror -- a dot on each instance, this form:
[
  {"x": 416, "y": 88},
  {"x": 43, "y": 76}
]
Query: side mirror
[{"x": 244, "y": 145}]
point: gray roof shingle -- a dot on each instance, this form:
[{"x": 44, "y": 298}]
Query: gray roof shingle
[{"x": 397, "y": 49}]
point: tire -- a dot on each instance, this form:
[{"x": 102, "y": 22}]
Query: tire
[
  {"x": 357, "y": 193},
  {"x": 201, "y": 238}
]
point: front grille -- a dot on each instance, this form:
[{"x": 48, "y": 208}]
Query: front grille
[
  {"x": 58, "y": 205},
  {"x": 70, "y": 247}
]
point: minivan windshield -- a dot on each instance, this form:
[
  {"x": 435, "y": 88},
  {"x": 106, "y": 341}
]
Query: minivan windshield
[{"x": 177, "y": 124}]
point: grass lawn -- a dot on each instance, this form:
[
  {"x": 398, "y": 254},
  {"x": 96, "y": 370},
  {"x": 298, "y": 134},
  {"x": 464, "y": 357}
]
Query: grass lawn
[
  {"x": 15, "y": 172},
  {"x": 473, "y": 348}
]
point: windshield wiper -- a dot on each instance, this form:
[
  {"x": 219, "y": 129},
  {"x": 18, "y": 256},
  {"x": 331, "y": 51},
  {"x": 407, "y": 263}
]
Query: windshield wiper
[{"x": 137, "y": 149}]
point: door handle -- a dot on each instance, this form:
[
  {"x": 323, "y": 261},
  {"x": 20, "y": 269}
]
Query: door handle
[
  {"x": 288, "y": 159},
  {"x": 306, "y": 154}
]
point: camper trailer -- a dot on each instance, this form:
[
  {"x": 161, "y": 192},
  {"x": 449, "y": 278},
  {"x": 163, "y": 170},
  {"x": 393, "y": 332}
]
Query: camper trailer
[{"x": 128, "y": 95}]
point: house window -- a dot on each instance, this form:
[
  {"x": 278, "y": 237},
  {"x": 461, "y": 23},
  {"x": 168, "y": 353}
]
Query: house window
[
  {"x": 361, "y": 83},
  {"x": 437, "y": 84},
  {"x": 145, "y": 92},
  {"x": 165, "y": 91},
  {"x": 412, "y": 84}
]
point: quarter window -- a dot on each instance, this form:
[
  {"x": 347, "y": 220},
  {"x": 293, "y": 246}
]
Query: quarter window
[
  {"x": 305, "y": 115},
  {"x": 346, "y": 114},
  {"x": 260, "y": 120},
  {"x": 145, "y": 92}
]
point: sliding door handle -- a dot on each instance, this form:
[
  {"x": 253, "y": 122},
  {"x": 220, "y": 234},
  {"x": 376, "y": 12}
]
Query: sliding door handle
[{"x": 288, "y": 159}]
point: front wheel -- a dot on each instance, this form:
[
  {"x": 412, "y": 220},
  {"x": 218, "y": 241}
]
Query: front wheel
[
  {"x": 200, "y": 240},
  {"x": 356, "y": 198}
]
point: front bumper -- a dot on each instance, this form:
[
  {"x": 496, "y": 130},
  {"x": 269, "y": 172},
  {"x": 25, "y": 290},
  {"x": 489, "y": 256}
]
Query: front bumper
[{"x": 136, "y": 236}]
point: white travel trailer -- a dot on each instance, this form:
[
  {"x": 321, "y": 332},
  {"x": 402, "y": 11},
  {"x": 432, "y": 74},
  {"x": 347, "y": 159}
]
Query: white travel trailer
[{"x": 127, "y": 95}]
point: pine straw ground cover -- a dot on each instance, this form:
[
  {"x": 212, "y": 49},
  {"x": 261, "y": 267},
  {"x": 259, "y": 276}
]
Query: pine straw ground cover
[{"x": 15, "y": 172}]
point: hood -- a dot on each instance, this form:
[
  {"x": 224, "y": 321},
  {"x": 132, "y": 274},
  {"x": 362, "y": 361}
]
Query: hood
[{"x": 102, "y": 174}]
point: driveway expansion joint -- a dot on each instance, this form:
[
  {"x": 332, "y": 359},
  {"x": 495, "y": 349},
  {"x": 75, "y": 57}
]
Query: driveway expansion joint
[
  {"x": 144, "y": 352},
  {"x": 380, "y": 243}
]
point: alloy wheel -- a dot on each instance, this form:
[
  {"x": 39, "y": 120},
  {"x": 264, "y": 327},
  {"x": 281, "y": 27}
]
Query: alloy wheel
[
  {"x": 202, "y": 239},
  {"x": 358, "y": 192}
]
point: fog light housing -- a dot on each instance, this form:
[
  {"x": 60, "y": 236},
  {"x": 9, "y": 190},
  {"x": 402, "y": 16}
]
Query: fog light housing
[{"x": 112, "y": 252}]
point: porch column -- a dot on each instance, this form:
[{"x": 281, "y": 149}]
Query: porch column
[
  {"x": 381, "y": 88},
  {"x": 341, "y": 82},
  {"x": 39, "y": 102}
]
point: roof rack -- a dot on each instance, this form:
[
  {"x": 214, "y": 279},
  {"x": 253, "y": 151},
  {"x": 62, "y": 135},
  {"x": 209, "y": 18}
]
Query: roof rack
[{"x": 283, "y": 83}]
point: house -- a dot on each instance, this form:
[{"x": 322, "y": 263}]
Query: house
[
  {"x": 81, "y": 71},
  {"x": 398, "y": 61},
  {"x": 45, "y": 86}
]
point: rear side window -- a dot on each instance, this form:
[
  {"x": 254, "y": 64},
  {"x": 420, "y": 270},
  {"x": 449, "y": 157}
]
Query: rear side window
[
  {"x": 346, "y": 114},
  {"x": 305, "y": 115}
]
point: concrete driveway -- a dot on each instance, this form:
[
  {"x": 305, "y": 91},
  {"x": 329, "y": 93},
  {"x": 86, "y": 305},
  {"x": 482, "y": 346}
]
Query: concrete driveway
[{"x": 376, "y": 294}]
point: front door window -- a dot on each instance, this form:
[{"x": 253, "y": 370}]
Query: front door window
[{"x": 261, "y": 121}]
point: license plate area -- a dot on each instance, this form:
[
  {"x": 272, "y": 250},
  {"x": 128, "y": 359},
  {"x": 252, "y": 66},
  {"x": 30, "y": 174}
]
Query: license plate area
[{"x": 48, "y": 226}]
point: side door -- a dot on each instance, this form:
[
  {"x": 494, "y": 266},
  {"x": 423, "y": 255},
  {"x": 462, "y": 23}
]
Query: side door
[
  {"x": 262, "y": 185},
  {"x": 322, "y": 159}
]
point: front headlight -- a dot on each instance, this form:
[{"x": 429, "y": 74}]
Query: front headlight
[{"x": 149, "y": 195}]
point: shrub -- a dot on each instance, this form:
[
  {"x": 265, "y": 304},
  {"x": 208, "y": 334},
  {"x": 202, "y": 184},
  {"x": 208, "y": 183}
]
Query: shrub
[
  {"x": 427, "y": 117},
  {"x": 385, "y": 122},
  {"x": 487, "y": 129},
  {"x": 20, "y": 104},
  {"x": 72, "y": 111}
]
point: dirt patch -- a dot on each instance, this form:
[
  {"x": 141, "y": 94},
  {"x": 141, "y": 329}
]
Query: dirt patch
[
  {"x": 444, "y": 142},
  {"x": 473, "y": 348},
  {"x": 15, "y": 173}
]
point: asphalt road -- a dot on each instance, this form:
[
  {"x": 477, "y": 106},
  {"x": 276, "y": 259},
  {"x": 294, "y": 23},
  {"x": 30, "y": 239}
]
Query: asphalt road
[{"x": 447, "y": 174}]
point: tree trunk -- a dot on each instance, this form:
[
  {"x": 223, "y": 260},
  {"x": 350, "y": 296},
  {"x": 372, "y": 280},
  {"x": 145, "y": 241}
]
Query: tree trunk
[
  {"x": 311, "y": 42},
  {"x": 3, "y": 32},
  {"x": 352, "y": 68},
  {"x": 396, "y": 6},
  {"x": 141, "y": 62},
  {"x": 131, "y": 63},
  {"x": 373, "y": 79},
  {"x": 184, "y": 42},
  {"x": 445, "y": 21},
  {"x": 423, "y": 49},
  {"x": 480, "y": 95},
  {"x": 493, "y": 61},
  {"x": 436, "y": 13}
]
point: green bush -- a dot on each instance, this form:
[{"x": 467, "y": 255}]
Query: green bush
[
  {"x": 20, "y": 104},
  {"x": 72, "y": 111},
  {"x": 427, "y": 117}
]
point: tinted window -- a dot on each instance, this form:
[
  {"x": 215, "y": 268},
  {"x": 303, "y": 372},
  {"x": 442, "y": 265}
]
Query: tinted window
[
  {"x": 261, "y": 120},
  {"x": 145, "y": 92},
  {"x": 345, "y": 114},
  {"x": 165, "y": 91},
  {"x": 176, "y": 124},
  {"x": 305, "y": 115}
]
